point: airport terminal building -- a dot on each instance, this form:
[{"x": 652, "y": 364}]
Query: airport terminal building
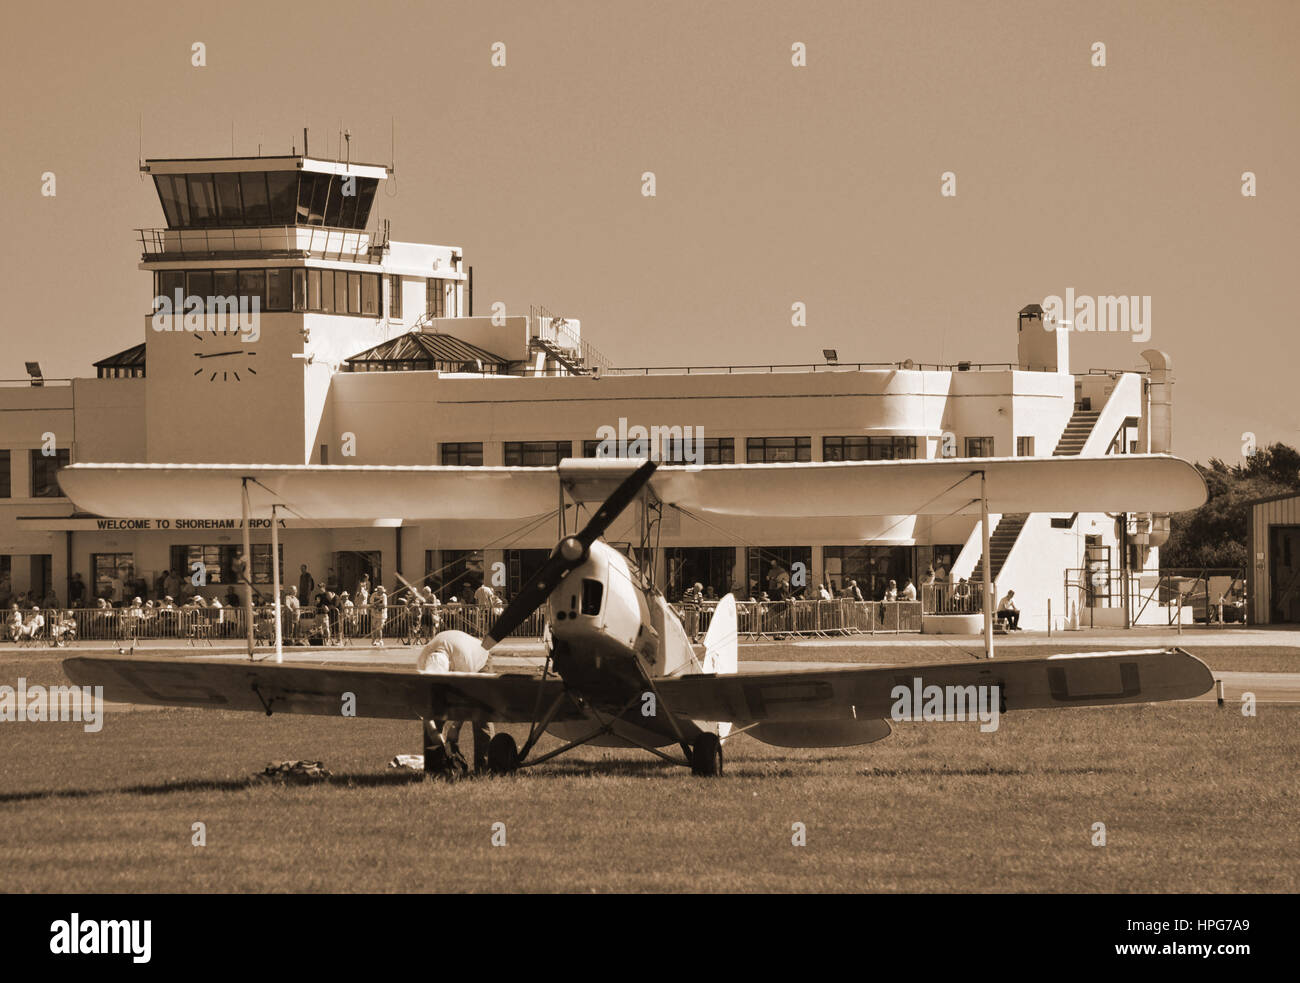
[{"x": 365, "y": 350}]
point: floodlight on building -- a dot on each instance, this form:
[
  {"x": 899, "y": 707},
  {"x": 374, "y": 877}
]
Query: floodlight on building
[
  {"x": 831, "y": 355},
  {"x": 34, "y": 370}
]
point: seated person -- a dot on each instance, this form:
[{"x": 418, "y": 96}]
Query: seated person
[
  {"x": 33, "y": 625},
  {"x": 15, "y": 623},
  {"x": 1008, "y": 612}
]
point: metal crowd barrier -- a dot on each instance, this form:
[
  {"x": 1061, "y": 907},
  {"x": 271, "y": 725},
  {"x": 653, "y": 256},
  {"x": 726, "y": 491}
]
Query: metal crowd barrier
[
  {"x": 772, "y": 619},
  {"x": 311, "y": 626}
]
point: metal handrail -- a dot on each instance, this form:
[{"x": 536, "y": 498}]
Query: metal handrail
[{"x": 368, "y": 246}]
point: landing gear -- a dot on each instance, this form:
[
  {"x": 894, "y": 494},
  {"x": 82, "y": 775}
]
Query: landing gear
[
  {"x": 502, "y": 755},
  {"x": 706, "y": 756}
]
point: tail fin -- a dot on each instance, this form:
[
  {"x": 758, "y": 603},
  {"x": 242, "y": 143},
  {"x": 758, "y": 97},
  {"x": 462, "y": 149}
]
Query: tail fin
[{"x": 720, "y": 641}]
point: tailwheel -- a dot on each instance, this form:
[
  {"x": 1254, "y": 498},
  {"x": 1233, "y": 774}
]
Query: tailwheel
[
  {"x": 503, "y": 754},
  {"x": 706, "y": 756}
]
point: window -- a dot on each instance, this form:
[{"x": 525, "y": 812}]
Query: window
[
  {"x": 262, "y": 563},
  {"x": 203, "y": 199},
  {"x": 712, "y": 566},
  {"x": 774, "y": 450},
  {"x": 314, "y": 297},
  {"x": 279, "y": 290},
  {"x": 864, "y": 448},
  {"x": 873, "y": 567},
  {"x": 354, "y": 293},
  {"x": 319, "y": 199},
  {"x": 454, "y": 573},
  {"x": 45, "y": 482},
  {"x": 283, "y": 190},
  {"x": 252, "y": 284},
  {"x": 229, "y": 209},
  {"x": 764, "y": 575},
  {"x": 1024, "y": 447},
  {"x": 257, "y": 209},
  {"x": 327, "y": 291},
  {"x": 334, "y": 204},
  {"x": 369, "y": 294},
  {"x": 395, "y": 297},
  {"x": 225, "y": 283},
  {"x": 462, "y": 454},
  {"x": 6, "y": 489},
  {"x": 522, "y": 566},
  {"x": 435, "y": 297},
  {"x": 198, "y": 283},
  {"x": 174, "y": 198},
  {"x": 105, "y": 566},
  {"x": 979, "y": 446},
  {"x": 300, "y": 290},
  {"x": 340, "y": 292},
  {"x": 719, "y": 450},
  {"x": 169, "y": 282},
  {"x": 537, "y": 453}
]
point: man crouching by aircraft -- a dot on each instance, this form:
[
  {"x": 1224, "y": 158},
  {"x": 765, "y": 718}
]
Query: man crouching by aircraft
[{"x": 453, "y": 651}]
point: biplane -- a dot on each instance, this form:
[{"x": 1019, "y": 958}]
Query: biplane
[{"x": 620, "y": 668}]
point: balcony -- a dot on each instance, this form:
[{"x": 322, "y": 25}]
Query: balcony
[{"x": 273, "y": 242}]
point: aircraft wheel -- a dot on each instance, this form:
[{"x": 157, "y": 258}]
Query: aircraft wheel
[
  {"x": 706, "y": 756},
  {"x": 503, "y": 754}
]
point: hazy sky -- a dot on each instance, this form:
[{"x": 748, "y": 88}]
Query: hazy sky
[{"x": 775, "y": 184}]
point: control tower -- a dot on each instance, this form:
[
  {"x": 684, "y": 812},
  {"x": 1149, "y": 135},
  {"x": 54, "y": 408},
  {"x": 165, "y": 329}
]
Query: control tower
[{"x": 267, "y": 275}]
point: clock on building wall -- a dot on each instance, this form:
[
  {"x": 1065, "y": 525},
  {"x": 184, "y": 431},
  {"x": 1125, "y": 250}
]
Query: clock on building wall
[{"x": 223, "y": 356}]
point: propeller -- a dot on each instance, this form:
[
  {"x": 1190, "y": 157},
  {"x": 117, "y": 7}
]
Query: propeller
[{"x": 568, "y": 555}]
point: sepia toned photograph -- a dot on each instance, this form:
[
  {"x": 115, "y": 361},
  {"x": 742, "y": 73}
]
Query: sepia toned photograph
[{"x": 651, "y": 448}]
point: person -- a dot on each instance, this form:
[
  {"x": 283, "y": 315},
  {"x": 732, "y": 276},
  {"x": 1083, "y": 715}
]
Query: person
[
  {"x": 891, "y": 592},
  {"x": 778, "y": 581},
  {"x": 929, "y": 577},
  {"x": 15, "y": 623},
  {"x": 453, "y": 651},
  {"x": 76, "y": 591},
  {"x": 378, "y": 604},
  {"x": 909, "y": 591},
  {"x": 363, "y": 592},
  {"x": 855, "y": 591},
  {"x": 32, "y": 627},
  {"x": 1008, "y": 612},
  {"x": 823, "y": 594},
  {"x": 691, "y": 601},
  {"x": 962, "y": 595},
  {"x": 116, "y": 588},
  {"x": 292, "y": 611},
  {"x": 306, "y": 582},
  {"x": 218, "y": 615}
]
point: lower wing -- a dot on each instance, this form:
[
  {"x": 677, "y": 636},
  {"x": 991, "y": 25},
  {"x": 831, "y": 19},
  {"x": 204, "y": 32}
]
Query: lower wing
[
  {"x": 395, "y": 694},
  {"x": 859, "y": 693}
]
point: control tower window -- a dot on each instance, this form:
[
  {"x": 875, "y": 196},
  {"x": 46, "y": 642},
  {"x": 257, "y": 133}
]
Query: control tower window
[
  {"x": 257, "y": 210},
  {"x": 334, "y": 208},
  {"x": 229, "y": 209},
  {"x": 283, "y": 189},
  {"x": 252, "y": 283},
  {"x": 175, "y": 199},
  {"x": 203, "y": 201},
  {"x": 279, "y": 296},
  {"x": 198, "y": 283}
]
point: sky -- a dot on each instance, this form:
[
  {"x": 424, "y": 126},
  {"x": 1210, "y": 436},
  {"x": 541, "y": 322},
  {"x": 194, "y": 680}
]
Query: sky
[{"x": 775, "y": 184}]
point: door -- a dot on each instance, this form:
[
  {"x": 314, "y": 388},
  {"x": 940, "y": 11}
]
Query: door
[{"x": 1284, "y": 574}]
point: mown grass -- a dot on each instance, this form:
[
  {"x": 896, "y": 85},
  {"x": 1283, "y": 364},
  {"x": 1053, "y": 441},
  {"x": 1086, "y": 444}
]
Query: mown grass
[{"x": 1194, "y": 799}]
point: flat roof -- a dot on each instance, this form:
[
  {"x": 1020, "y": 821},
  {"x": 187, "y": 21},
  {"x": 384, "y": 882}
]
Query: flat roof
[{"x": 284, "y": 162}]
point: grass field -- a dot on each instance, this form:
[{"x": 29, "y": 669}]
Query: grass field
[{"x": 1194, "y": 799}]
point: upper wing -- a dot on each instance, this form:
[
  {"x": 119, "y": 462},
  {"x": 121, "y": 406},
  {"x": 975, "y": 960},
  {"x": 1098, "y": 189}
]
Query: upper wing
[
  {"x": 944, "y": 486},
  {"x": 212, "y": 491},
  {"x": 1098, "y": 679},
  {"x": 386, "y": 693},
  {"x": 1118, "y": 483}
]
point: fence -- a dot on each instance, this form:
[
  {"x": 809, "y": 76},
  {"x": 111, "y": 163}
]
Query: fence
[
  {"x": 772, "y": 619},
  {"x": 311, "y": 626},
  {"x": 1215, "y": 595}
]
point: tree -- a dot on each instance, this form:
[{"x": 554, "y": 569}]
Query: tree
[{"x": 1215, "y": 534}]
